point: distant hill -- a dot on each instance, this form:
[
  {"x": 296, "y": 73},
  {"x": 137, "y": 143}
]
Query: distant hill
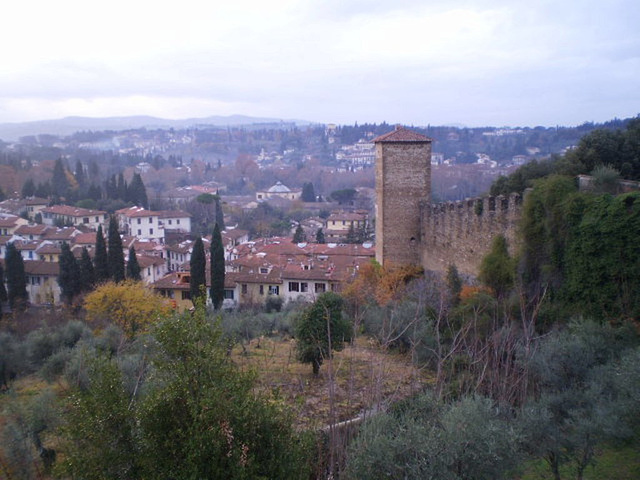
[{"x": 70, "y": 125}]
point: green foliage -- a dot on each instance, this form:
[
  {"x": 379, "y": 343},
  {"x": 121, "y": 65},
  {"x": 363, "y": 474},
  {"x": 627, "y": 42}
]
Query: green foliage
[
  {"x": 603, "y": 257},
  {"x": 545, "y": 231},
  {"x": 422, "y": 438},
  {"x": 59, "y": 181},
  {"x": 28, "y": 188},
  {"x": 454, "y": 284},
  {"x": 198, "y": 264},
  {"x": 344, "y": 196},
  {"x": 133, "y": 267},
  {"x": 87, "y": 272},
  {"x": 320, "y": 236},
  {"x": 115, "y": 253},
  {"x": 69, "y": 278},
  {"x": 136, "y": 192},
  {"x": 189, "y": 414},
  {"x": 497, "y": 269},
  {"x": 299, "y": 235},
  {"x": 101, "y": 260},
  {"x": 217, "y": 268},
  {"x": 320, "y": 329},
  {"x": 219, "y": 213},
  {"x": 16, "y": 278},
  {"x": 308, "y": 193}
]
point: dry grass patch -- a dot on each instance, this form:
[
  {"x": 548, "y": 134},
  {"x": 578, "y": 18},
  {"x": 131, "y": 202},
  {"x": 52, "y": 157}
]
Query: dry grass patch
[{"x": 364, "y": 378}]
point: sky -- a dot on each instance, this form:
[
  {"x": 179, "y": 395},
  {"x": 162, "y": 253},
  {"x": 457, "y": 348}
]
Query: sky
[{"x": 414, "y": 62}]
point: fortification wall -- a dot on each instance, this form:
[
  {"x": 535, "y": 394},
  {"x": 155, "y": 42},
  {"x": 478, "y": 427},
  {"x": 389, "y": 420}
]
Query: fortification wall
[{"x": 461, "y": 232}]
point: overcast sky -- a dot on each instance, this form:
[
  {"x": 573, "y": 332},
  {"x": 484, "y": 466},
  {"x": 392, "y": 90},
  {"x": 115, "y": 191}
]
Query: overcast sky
[{"x": 416, "y": 62}]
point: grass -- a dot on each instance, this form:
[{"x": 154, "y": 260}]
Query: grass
[
  {"x": 364, "y": 378},
  {"x": 612, "y": 463}
]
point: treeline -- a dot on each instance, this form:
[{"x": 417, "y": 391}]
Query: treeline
[{"x": 606, "y": 153}]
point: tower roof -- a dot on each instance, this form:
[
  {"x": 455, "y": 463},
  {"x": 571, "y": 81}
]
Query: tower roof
[{"x": 401, "y": 134}]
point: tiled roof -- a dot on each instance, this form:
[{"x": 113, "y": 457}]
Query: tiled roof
[
  {"x": 173, "y": 214},
  {"x": 401, "y": 134},
  {"x": 38, "y": 267},
  {"x": 9, "y": 221},
  {"x": 31, "y": 229},
  {"x": 72, "y": 211}
]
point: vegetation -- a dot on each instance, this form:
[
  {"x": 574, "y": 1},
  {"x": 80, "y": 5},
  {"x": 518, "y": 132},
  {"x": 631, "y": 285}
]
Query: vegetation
[
  {"x": 128, "y": 304},
  {"x": 320, "y": 329},
  {"x": 115, "y": 254},
  {"x": 16, "y": 278},
  {"x": 69, "y": 278},
  {"x": 217, "y": 268},
  {"x": 133, "y": 267},
  {"x": 198, "y": 266},
  {"x": 101, "y": 259}
]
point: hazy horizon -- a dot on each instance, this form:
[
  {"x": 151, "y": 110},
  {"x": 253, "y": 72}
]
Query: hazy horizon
[{"x": 464, "y": 62}]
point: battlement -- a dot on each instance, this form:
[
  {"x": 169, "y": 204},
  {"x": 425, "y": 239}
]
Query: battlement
[{"x": 461, "y": 232}]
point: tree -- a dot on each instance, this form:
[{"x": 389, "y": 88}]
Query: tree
[
  {"x": 320, "y": 329},
  {"x": 133, "y": 268},
  {"x": 299, "y": 236},
  {"x": 200, "y": 416},
  {"x": 79, "y": 174},
  {"x": 3, "y": 292},
  {"x": 87, "y": 272},
  {"x": 16, "y": 278},
  {"x": 137, "y": 193},
  {"x": 59, "y": 181},
  {"x": 320, "y": 236},
  {"x": 198, "y": 264},
  {"x": 101, "y": 259},
  {"x": 344, "y": 196},
  {"x": 69, "y": 278},
  {"x": 219, "y": 213},
  {"x": 497, "y": 270},
  {"x": 28, "y": 188},
  {"x": 128, "y": 304},
  {"x": 454, "y": 284},
  {"x": 217, "y": 268},
  {"x": 308, "y": 193},
  {"x": 115, "y": 254}
]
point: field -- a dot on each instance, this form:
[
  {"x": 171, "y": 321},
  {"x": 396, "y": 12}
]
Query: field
[{"x": 359, "y": 379}]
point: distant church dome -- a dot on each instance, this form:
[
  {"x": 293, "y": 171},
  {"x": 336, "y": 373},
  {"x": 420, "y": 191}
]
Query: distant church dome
[{"x": 279, "y": 188}]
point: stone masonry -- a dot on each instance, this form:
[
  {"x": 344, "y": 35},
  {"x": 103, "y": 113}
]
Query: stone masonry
[
  {"x": 403, "y": 183},
  {"x": 412, "y": 230}
]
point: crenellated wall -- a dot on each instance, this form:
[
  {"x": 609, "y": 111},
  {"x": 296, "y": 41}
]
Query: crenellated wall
[{"x": 461, "y": 232}]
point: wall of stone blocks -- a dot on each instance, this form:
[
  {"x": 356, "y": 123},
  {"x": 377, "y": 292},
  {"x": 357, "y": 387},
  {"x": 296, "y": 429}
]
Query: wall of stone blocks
[
  {"x": 403, "y": 184},
  {"x": 461, "y": 232}
]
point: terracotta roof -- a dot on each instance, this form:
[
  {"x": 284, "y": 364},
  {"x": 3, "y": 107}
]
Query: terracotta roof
[
  {"x": 88, "y": 238},
  {"x": 31, "y": 229},
  {"x": 65, "y": 233},
  {"x": 38, "y": 267},
  {"x": 10, "y": 221},
  {"x": 134, "y": 212},
  {"x": 147, "y": 260},
  {"x": 401, "y": 134},
  {"x": 173, "y": 214},
  {"x": 72, "y": 211}
]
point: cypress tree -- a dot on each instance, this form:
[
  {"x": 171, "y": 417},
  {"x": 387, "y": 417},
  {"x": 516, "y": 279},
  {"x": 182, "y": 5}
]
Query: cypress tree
[
  {"x": 69, "y": 278},
  {"x": 16, "y": 279},
  {"x": 101, "y": 260},
  {"x": 115, "y": 254},
  {"x": 122, "y": 188},
  {"x": 137, "y": 192},
  {"x": 28, "y": 189},
  {"x": 298, "y": 236},
  {"x": 198, "y": 268},
  {"x": 79, "y": 174},
  {"x": 59, "y": 181},
  {"x": 217, "y": 268},
  {"x": 308, "y": 193},
  {"x": 320, "y": 236},
  {"x": 3, "y": 290},
  {"x": 219, "y": 213},
  {"x": 133, "y": 267},
  {"x": 87, "y": 272}
]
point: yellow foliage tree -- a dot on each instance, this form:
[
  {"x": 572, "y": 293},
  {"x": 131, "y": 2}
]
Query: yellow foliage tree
[
  {"x": 129, "y": 304},
  {"x": 379, "y": 284}
]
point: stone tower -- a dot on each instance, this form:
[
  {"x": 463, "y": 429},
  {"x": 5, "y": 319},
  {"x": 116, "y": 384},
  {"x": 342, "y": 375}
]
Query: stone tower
[{"x": 403, "y": 182}]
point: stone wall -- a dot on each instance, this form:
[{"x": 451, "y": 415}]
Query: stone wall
[
  {"x": 403, "y": 183},
  {"x": 461, "y": 232}
]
